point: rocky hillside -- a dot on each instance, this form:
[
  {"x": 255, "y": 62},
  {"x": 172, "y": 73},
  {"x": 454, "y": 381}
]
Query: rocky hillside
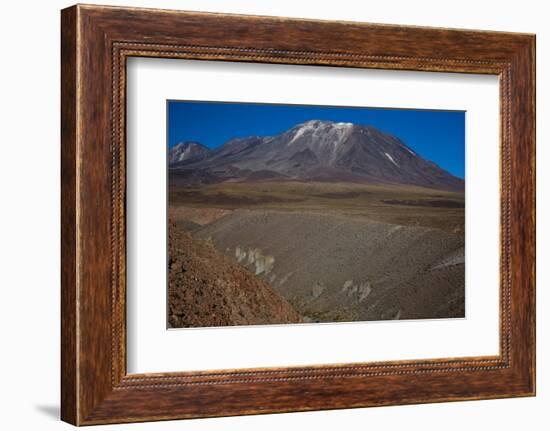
[
  {"x": 315, "y": 151},
  {"x": 205, "y": 288},
  {"x": 337, "y": 269}
]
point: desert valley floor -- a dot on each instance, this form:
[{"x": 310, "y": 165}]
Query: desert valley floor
[{"x": 275, "y": 252}]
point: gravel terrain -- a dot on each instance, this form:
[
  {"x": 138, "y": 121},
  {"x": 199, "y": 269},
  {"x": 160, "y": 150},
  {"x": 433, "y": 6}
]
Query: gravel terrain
[{"x": 335, "y": 268}]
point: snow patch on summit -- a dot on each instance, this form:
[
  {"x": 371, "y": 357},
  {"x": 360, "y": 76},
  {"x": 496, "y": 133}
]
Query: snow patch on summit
[
  {"x": 408, "y": 149},
  {"x": 318, "y": 127},
  {"x": 303, "y": 129}
]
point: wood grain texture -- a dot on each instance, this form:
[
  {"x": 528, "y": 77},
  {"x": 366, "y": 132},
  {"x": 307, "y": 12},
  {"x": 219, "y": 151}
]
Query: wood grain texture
[
  {"x": 96, "y": 41},
  {"x": 69, "y": 367}
]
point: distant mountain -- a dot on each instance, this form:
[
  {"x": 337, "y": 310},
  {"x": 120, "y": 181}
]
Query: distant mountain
[
  {"x": 186, "y": 151},
  {"x": 314, "y": 151}
]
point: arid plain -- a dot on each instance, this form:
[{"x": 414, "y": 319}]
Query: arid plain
[{"x": 335, "y": 251}]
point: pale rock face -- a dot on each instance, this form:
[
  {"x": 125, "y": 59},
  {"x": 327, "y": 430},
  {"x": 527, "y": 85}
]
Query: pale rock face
[
  {"x": 317, "y": 290},
  {"x": 254, "y": 258}
]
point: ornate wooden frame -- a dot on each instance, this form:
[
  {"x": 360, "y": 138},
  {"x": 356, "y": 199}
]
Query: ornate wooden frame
[{"x": 95, "y": 43}]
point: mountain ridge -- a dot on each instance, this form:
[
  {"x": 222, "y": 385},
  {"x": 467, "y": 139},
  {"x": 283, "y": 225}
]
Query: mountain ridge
[
  {"x": 187, "y": 150},
  {"x": 314, "y": 150}
]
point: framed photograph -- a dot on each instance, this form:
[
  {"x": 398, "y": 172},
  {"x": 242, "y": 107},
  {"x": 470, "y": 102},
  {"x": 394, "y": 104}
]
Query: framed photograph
[{"x": 266, "y": 215}]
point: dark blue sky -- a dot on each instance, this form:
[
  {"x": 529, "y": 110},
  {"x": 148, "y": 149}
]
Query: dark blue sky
[{"x": 438, "y": 136}]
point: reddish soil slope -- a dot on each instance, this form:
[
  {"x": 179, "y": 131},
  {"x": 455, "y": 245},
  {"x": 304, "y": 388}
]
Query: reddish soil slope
[{"x": 207, "y": 289}]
